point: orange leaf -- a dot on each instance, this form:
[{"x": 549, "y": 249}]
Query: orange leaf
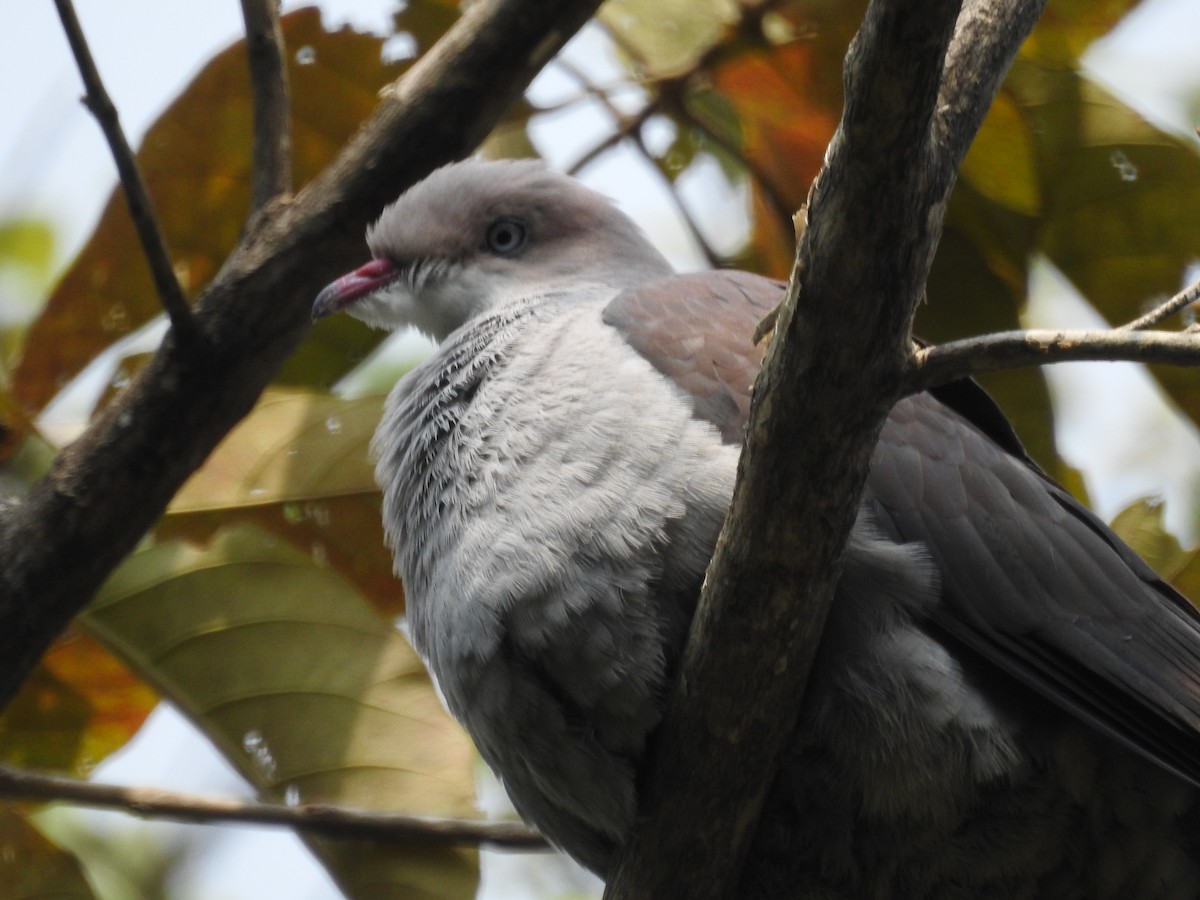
[{"x": 80, "y": 704}]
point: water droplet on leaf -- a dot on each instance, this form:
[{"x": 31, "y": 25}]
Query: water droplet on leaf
[{"x": 1125, "y": 168}]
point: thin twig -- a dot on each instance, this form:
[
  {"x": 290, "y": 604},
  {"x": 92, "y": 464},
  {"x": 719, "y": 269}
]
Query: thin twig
[
  {"x": 1180, "y": 301},
  {"x": 933, "y": 366},
  {"x": 588, "y": 89},
  {"x": 671, "y": 91},
  {"x": 268, "y": 79},
  {"x": 775, "y": 198},
  {"x": 631, "y": 127},
  {"x": 626, "y": 127},
  {"x": 710, "y": 255},
  {"x": 329, "y": 821},
  {"x": 141, "y": 209},
  {"x": 671, "y": 88}
]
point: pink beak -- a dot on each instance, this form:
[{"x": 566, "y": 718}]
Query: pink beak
[{"x": 364, "y": 280}]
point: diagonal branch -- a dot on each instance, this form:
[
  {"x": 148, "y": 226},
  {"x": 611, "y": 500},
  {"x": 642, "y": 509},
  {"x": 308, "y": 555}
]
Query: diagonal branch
[
  {"x": 104, "y": 491},
  {"x": 141, "y": 209},
  {"x": 1178, "y": 303},
  {"x": 268, "y": 79},
  {"x": 328, "y": 821},
  {"x": 710, "y": 255},
  {"x": 831, "y": 375},
  {"x": 987, "y": 37},
  {"x": 775, "y": 197}
]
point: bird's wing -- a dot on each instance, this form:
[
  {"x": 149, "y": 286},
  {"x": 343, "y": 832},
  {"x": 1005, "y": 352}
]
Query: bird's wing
[{"x": 1032, "y": 580}]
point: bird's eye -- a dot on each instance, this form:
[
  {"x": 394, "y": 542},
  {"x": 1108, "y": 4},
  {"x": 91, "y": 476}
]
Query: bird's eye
[{"x": 506, "y": 236}]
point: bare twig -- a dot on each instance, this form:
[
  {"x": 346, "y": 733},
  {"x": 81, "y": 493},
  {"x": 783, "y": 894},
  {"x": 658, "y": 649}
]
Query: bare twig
[
  {"x": 710, "y": 255},
  {"x": 141, "y": 209},
  {"x": 669, "y": 89},
  {"x": 1179, "y": 302},
  {"x": 775, "y": 198},
  {"x": 329, "y": 821},
  {"x": 1131, "y": 342},
  {"x": 626, "y": 127},
  {"x": 268, "y": 79},
  {"x": 588, "y": 89},
  {"x": 630, "y": 127},
  {"x": 933, "y": 366}
]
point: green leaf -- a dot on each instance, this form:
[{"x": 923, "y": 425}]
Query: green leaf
[
  {"x": 1118, "y": 195},
  {"x": 1068, "y": 27},
  {"x": 1002, "y": 162},
  {"x": 1140, "y": 525},
  {"x": 27, "y": 244},
  {"x": 310, "y": 694},
  {"x": 1187, "y": 579},
  {"x": 667, "y": 36}
]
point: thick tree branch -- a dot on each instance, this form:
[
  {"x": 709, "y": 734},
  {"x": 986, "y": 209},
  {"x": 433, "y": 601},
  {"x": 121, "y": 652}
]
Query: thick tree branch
[
  {"x": 327, "y": 821},
  {"x": 939, "y": 364},
  {"x": 141, "y": 208},
  {"x": 268, "y": 79},
  {"x": 107, "y": 488},
  {"x": 833, "y": 371}
]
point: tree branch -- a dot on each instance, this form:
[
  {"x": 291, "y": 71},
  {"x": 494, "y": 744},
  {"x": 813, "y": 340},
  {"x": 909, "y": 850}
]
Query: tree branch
[
  {"x": 986, "y": 39},
  {"x": 327, "y": 821},
  {"x": 268, "y": 79},
  {"x": 939, "y": 364},
  {"x": 141, "y": 208},
  {"x": 832, "y": 373},
  {"x": 625, "y": 127},
  {"x": 106, "y": 489},
  {"x": 1178, "y": 303}
]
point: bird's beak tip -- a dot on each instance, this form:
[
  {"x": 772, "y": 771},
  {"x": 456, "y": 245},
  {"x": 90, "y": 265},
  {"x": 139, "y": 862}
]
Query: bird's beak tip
[{"x": 326, "y": 303}]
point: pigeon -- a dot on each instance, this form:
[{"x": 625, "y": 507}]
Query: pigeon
[{"x": 1006, "y": 699}]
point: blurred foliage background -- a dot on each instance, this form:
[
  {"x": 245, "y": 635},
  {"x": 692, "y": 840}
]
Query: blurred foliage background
[{"x": 262, "y": 606}]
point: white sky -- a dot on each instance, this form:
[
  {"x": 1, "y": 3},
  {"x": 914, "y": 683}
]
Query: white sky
[{"x": 54, "y": 164}]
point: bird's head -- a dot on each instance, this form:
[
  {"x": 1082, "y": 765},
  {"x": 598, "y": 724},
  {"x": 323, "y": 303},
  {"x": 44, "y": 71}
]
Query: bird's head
[{"x": 476, "y": 234}]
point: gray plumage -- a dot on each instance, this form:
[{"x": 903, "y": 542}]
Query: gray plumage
[{"x": 554, "y": 479}]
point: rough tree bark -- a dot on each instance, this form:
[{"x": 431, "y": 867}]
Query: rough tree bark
[{"x": 919, "y": 79}]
